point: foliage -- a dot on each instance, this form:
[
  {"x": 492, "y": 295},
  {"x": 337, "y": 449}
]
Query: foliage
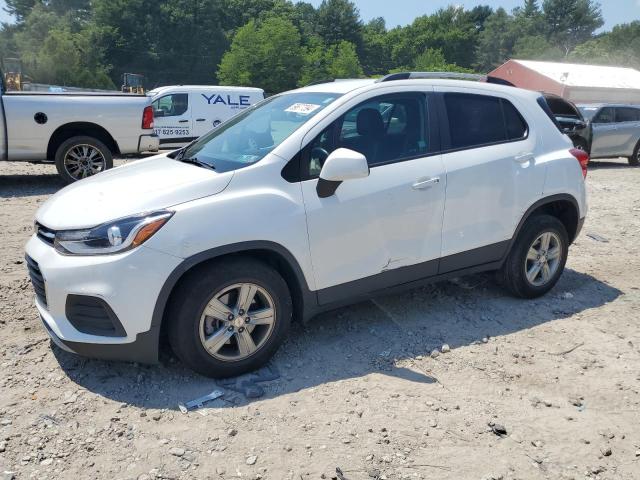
[
  {"x": 621, "y": 47},
  {"x": 267, "y": 54},
  {"x": 279, "y": 44}
]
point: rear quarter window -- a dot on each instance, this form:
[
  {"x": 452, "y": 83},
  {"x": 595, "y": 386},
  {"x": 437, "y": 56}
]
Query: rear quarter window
[{"x": 477, "y": 120}]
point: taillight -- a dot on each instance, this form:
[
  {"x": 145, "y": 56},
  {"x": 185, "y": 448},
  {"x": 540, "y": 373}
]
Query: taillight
[
  {"x": 147, "y": 118},
  {"x": 583, "y": 158}
]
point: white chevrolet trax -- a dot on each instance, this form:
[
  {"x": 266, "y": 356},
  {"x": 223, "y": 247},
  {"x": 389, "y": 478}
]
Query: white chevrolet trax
[{"x": 308, "y": 200}]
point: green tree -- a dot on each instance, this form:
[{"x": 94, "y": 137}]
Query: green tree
[
  {"x": 536, "y": 47},
  {"x": 170, "y": 42},
  {"x": 571, "y": 22},
  {"x": 54, "y": 50},
  {"x": 496, "y": 41},
  {"x": 343, "y": 61},
  {"x": 339, "y": 20},
  {"x": 22, "y": 8},
  {"x": 376, "y": 49},
  {"x": 450, "y": 30},
  {"x": 619, "y": 47},
  {"x": 434, "y": 61},
  {"x": 267, "y": 55}
]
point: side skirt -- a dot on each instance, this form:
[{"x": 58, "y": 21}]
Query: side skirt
[{"x": 466, "y": 263}]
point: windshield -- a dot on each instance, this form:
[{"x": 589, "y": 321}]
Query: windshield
[{"x": 254, "y": 133}]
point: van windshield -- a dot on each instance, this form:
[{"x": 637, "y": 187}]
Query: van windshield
[{"x": 254, "y": 133}]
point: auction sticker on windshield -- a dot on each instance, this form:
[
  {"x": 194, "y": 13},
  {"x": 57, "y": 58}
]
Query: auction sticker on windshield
[{"x": 303, "y": 108}]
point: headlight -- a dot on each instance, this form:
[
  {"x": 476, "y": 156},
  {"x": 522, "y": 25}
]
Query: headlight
[{"x": 113, "y": 237}]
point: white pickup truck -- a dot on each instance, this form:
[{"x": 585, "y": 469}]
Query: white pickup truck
[{"x": 80, "y": 133}]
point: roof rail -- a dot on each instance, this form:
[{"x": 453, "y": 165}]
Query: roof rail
[
  {"x": 447, "y": 76},
  {"x": 426, "y": 75}
]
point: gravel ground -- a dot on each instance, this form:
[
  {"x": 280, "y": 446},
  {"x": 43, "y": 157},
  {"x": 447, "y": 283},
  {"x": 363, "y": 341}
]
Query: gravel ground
[{"x": 544, "y": 389}]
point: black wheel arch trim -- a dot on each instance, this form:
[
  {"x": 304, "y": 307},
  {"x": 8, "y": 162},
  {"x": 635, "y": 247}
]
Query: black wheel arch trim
[
  {"x": 308, "y": 300},
  {"x": 541, "y": 203}
]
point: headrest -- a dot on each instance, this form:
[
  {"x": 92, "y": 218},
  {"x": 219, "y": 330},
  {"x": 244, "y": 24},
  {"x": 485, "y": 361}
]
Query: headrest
[{"x": 369, "y": 123}]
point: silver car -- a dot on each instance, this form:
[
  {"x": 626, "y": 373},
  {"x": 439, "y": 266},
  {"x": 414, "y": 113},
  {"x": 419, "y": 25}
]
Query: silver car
[{"x": 616, "y": 131}]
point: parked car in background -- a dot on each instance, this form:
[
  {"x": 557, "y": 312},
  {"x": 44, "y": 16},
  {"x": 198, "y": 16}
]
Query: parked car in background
[
  {"x": 79, "y": 132},
  {"x": 185, "y": 112},
  {"x": 310, "y": 200},
  {"x": 570, "y": 121},
  {"x": 616, "y": 131}
]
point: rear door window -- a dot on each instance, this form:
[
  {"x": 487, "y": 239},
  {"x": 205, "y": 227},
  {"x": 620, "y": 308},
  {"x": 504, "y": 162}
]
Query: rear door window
[
  {"x": 477, "y": 120},
  {"x": 627, "y": 114}
]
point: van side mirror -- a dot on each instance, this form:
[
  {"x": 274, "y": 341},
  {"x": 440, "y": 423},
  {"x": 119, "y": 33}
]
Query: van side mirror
[{"x": 343, "y": 164}]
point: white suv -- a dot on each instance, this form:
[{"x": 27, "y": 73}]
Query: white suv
[{"x": 306, "y": 201}]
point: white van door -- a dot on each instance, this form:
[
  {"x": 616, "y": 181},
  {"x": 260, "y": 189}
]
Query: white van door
[
  {"x": 173, "y": 119},
  {"x": 212, "y": 107}
]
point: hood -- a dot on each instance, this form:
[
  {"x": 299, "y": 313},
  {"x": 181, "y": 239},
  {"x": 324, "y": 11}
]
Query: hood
[{"x": 142, "y": 186}]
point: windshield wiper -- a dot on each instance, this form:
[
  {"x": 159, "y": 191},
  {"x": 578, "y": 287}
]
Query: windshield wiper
[{"x": 195, "y": 161}]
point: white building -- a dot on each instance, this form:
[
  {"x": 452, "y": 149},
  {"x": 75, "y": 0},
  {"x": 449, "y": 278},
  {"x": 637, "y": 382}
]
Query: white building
[{"x": 575, "y": 82}]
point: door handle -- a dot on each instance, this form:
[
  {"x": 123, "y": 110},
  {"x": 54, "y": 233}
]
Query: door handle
[
  {"x": 200, "y": 119},
  {"x": 524, "y": 157},
  {"x": 183, "y": 121},
  {"x": 425, "y": 183}
]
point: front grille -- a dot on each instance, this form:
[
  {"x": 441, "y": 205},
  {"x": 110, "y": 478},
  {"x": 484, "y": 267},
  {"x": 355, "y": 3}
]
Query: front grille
[
  {"x": 37, "y": 280},
  {"x": 45, "y": 234}
]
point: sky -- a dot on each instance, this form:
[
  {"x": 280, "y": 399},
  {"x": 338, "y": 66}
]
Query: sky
[{"x": 402, "y": 12}]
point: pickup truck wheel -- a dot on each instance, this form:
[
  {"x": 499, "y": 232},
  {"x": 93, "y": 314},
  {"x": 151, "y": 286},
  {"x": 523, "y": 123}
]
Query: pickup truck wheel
[
  {"x": 634, "y": 160},
  {"x": 82, "y": 157},
  {"x": 229, "y": 318},
  {"x": 537, "y": 258}
]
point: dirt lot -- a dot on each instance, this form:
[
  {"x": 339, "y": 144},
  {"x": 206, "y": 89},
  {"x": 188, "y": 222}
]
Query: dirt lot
[{"x": 357, "y": 388}]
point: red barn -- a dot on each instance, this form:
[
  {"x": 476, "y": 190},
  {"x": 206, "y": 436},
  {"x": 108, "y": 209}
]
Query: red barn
[{"x": 574, "y": 82}]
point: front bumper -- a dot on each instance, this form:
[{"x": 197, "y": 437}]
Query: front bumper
[
  {"x": 129, "y": 283},
  {"x": 144, "y": 349},
  {"x": 148, "y": 143}
]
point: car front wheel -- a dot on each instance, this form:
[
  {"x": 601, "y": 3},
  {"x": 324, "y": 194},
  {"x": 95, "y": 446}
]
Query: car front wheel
[
  {"x": 229, "y": 317},
  {"x": 537, "y": 258}
]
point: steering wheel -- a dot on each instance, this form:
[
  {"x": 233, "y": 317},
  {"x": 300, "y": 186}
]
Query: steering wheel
[{"x": 320, "y": 153}]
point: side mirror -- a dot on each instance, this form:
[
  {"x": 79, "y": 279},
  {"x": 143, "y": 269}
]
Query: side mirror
[
  {"x": 158, "y": 113},
  {"x": 343, "y": 164}
]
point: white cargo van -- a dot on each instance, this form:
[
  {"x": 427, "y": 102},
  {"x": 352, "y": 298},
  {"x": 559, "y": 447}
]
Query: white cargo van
[{"x": 185, "y": 112}]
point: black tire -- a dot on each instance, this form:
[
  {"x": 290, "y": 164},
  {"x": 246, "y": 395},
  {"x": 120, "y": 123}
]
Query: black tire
[
  {"x": 67, "y": 146},
  {"x": 194, "y": 293},
  {"x": 514, "y": 274},
  {"x": 634, "y": 160}
]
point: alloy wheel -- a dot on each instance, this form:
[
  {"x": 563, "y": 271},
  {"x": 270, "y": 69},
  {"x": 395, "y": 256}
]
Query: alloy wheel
[
  {"x": 543, "y": 259},
  {"x": 237, "y": 321},
  {"x": 84, "y": 160}
]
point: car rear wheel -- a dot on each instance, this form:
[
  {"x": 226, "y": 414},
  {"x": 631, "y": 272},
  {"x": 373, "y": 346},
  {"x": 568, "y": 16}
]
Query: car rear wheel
[
  {"x": 229, "y": 317},
  {"x": 81, "y": 157},
  {"x": 537, "y": 258},
  {"x": 634, "y": 160}
]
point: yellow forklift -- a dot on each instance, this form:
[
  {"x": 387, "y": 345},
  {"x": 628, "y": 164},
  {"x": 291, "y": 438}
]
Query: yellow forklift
[
  {"x": 133, "y": 83},
  {"x": 14, "y": 80}
]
